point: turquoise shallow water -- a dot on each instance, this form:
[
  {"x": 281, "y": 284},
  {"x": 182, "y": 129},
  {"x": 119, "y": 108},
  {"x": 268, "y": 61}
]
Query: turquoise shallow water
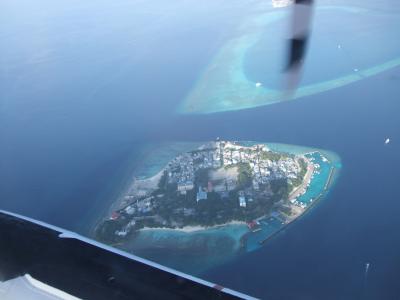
[
  {"x": 319, "y": 181},
  {"x": 256, "y": 53},
  {"x": 326, "y": 44},
  {"x": 197, "y": 251},
  {"x": 269, "y": 226},
  {"x": 192, "y": 252},
  {"x": 317, "y": 189}
]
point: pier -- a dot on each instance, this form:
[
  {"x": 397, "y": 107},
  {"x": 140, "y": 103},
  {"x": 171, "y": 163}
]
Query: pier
[
  {"x": 262, "y": 242},
  {"x": 316, "y": 200},
  {"x": 328, "y": 182}
]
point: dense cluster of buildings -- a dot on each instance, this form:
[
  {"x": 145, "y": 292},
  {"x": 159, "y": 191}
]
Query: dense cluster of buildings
[
  {"x": 215, "y": 155},
  {"x": 221, "y": 163}
]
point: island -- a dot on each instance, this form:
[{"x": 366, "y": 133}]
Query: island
[{"x": 218, "y": 184}]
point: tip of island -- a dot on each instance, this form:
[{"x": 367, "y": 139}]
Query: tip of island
[{"x": 256, "y": 187}]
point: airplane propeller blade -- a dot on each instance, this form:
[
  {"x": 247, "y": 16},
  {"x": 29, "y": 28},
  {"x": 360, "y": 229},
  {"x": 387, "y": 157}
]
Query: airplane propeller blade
[{"x": 300, "y": 31}]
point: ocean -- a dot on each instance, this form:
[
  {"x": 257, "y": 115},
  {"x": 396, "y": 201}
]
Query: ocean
[{"x": 86, "y": 89}]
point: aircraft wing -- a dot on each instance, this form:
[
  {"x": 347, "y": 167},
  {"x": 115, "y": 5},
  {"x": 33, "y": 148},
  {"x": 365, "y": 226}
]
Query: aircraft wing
[{"x": 47, "y": 257}]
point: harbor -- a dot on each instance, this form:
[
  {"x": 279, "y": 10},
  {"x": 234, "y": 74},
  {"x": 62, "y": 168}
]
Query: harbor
[{"x": 271, "y": 226}]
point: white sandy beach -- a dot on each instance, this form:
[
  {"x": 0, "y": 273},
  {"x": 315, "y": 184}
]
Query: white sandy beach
[{"x": 190, "y": 229}]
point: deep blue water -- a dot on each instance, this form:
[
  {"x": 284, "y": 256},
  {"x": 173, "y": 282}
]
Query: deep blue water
[
  {"x": 84, "y": 88},
  {"x": 323, "y": 256}
]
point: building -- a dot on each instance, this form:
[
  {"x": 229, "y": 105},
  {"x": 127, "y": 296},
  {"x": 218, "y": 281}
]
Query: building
[
  {"x": 122, "y": 233},
  {"x": 219, "y": 188},
  {"x": 201, "y": 195},
  {"x": 130, "y": 209},
  {"x": 230, "y": 185},
  {"x": 253, "y": 225},
  {"x": 242, "y": 201},
  {"x": 256, "y": 186},
  {"x": 185, "y": 186},
  {"x": 115, "y": 215}
]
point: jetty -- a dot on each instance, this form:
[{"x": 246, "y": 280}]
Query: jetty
[{"x": 328, "y": 182}]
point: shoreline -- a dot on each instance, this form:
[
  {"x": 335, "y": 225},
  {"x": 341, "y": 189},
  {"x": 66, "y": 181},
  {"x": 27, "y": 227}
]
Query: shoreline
[
  {"x": 151, "y": 150},
  {"x": 147, "y": 184},
  {"x": 306, "y": 210},
  {"x": 120, "y": 203},
  {"x": 301, "y": 189},
  {"x": 114, "y": 197},
  {"x": 194, "y": 228}
]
